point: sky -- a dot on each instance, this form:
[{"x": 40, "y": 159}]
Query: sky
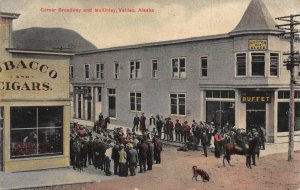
[{"x": 171, "y": 19}]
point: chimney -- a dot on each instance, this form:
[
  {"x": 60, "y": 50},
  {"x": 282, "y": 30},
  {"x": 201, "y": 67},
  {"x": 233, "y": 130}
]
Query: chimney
[{"x": 6, "y": 29}]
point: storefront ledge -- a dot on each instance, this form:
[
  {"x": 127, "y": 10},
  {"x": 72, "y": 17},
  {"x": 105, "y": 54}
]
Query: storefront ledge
[{"x": 36, "y": 158}]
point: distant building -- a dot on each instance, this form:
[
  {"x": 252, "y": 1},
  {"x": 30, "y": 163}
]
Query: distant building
[{"x": 236, "y": 77}]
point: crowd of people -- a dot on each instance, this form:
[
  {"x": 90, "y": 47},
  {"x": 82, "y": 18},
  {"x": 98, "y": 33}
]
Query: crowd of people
[{"x": 166, "y": 129}]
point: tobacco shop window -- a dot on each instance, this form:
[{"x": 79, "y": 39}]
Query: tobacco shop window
[
  {"x": 36, "y": 131},
  {"x": 134, "y": 69},
  {"x": 178, "y": 68},
  {"x": 117, "y": 71},
  {"x": 71, "y": 72},
  {"x": 204, "y": 66},
  {"x": 100, "y": 71},
  {"x": 87, "y": 71},
  {"x": 177, "y": 104},
  {"x": 154, "y": 69},
  {"x": 241, "y": 64},
  {"x": 274, "y": 62},
  {"x": 258, "y": 64},
  {"x": 135, "y": 101}
]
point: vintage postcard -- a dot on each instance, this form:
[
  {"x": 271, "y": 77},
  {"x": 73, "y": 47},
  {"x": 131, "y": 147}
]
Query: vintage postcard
[{"x": 150, "y": 94}]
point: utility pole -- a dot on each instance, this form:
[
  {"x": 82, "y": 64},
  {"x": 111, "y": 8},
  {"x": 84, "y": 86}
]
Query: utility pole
[{"x": 290, "y": 63}]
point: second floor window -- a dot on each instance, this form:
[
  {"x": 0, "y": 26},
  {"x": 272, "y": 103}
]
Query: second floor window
[
  {"x": 274, "y": 62},
  {"x": 100, "y": 71},
  {"x": 87, "y": 71},
  {"x": 135, "y": 101},
  {"x": 134, "y": 69},
  {"x": 178, "y": 68},
  {"x": 154, "y": 69},
  {"x": 258, "y": 64},
  {"x": 117, "y": 71},
  {"x": 177, "y": 104},
  {"x": 241, "y": 64},
  {"x": 204, "y": 66},
  {"x": 71, "y": 72}
]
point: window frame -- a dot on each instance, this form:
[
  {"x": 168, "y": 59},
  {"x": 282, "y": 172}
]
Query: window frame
[
  {"x": 251, "y": 63},
  {"x": 99, "y": 70},
  {"x": 135, "y": 98},
  {"x": 154, "y": 73},
  {"x": 203, "y": 68},
  {"x": 177, "y": 104},
  {"x": 179, "y": 68},
  {"x": 117, "y": 70},
  {"x": 71, "y": 71},
  {"x": 135, "y": 73},
  {"x": 278, "y": 64},
  {"x": 87, "y": 72},
  {"x": 246, "y": 64}
]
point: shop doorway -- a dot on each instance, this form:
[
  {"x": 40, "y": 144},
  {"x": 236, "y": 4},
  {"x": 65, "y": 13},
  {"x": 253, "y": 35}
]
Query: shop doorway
[
  {"x": 112, "y": 106},
  {"x": 111, "y": 92},
  {"x": 255, "y": 115}
]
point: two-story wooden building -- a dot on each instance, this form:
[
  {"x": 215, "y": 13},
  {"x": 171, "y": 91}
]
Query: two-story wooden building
[{"x": 237, "y": 77}]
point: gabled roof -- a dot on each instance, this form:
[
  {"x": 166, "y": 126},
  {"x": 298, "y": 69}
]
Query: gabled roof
[{"x": 256, "y": 18}]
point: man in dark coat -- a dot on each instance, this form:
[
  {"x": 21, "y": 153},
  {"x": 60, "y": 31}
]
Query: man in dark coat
[
  {"x": 157, "y": 150},
  {"x": 143, "y": 123},
  {"x": 178, "y": 130},
  {"x": 159, "y": 125},
  {"x": 115, "y": 156},
  {"x": 143, "y": 151},
  {"x": 171, "y": 129},
  {"x": 136, "y": 122},
  {"x": 150, "y": 154}
]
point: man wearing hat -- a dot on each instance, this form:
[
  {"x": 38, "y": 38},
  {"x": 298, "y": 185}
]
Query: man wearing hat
[
  {"x": 132, "y": 159},
  {"x": 186, "y": 130},
  {"x": 143, "y": 151},
  {"x": 122, "y": 161},
  {"x": 178, "y": 130},
  {"x": 143, "y": 123},
  {"x": 159, "y": 125},
  {"x": 136, "y": 122}
]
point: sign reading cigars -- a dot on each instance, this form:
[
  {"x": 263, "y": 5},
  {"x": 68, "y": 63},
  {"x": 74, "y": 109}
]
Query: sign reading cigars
[
  {"x": 258, "y": 45},
  {"x": 33, "y": 79},
  {"x": 249, "y": 98}
]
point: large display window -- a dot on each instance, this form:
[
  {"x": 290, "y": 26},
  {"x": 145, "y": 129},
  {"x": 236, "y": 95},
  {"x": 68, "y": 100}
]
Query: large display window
[
  {"x": 283, "y": 116},
  {"x": 36, "y": 131}
]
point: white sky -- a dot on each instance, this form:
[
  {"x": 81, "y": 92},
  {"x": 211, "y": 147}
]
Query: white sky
[{"x": 172, "y": 19}]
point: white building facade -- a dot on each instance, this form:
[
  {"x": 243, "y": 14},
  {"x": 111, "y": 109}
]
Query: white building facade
[{"x": 238, "y": 77}]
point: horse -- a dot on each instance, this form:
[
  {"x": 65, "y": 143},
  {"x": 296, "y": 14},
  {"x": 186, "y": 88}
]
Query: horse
[
  {"x": 81, "y": 131},
  {"x": 240, "y": 147},
  {"x": 100, "y": 126}
]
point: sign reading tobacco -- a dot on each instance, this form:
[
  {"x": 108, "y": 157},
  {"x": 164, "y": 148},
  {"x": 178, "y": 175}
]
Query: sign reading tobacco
[
  {"x": 23, "y": 76},
  {"x": 258, "y": 45}
]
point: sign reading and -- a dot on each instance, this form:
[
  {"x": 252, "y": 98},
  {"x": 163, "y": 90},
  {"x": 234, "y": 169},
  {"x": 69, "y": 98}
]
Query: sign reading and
[{"x": 258, "y": 45}]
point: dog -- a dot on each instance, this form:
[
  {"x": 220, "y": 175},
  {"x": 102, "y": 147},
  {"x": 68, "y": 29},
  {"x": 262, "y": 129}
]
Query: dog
[{"x": 202, "y": 173}]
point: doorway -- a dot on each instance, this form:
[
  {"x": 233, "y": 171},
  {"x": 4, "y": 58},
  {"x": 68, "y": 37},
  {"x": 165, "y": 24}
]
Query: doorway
[
  {"x": 255, "y": 115},
  {"x": 112, "y": 106}
]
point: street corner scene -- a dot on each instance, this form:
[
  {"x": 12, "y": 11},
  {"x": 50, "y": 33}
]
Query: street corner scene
[{"x": 150, "y": 95}]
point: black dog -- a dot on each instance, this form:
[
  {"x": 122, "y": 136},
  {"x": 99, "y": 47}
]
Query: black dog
[{"x": 202, "y": 173}]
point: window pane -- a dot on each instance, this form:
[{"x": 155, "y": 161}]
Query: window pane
[
  {"x": 258, "y": 64},
  {"x": 231, "y": 94},
  {"x": 241, "y": 64},
  {"x": 23, "y": 143},
  {"x": 174, "y": 109},
  {"x": 137, "y": 65},
  {"x": 50, "y": 116},
  {"x": 181, "y": 109},
  {"x": 50, "y": 141},
  {"x": 209, "y": 94},
  {"x": 23, "y": 117},
  {"x": 274, "y": 61},
  {"x": 283, "y": 117}
]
